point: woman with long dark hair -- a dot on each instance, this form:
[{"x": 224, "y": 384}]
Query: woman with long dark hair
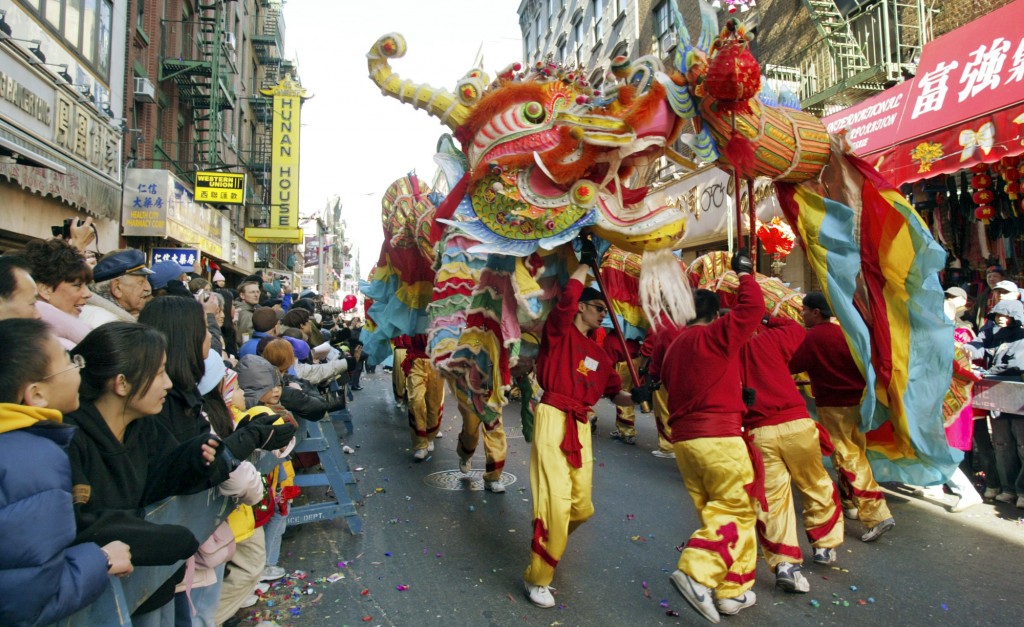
[
  {"x": 227, "y": 327},
  {"x": 182, "y": 322},
  {"x": 121, "y": 458}
]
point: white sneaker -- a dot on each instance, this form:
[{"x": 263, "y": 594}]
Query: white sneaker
[
  {"x": 262, "y": 587},
  {"x": 250, "y": 601},
  {"x": 539, "y": 595},
  {"x": 495, "y": 486},
  {"x": 852, "y": 513},
  {"x": 663, "y": 454},
  {"x": 789, "y": 578},
  {"x": 439, "y": 434},
  {"x": 825, "y": 556},
  {"x": 1006, "y": 497},
  {"x": 876, "y": 532},
  {"x": 967, "y": 501},
  {"x": 272, "y": 573},
  {"x": 430, "y": 447},
  {"x": 696, "y": 594},
  {"x": 465, "y": 466},
  {"x": 420, "y": 454},
  {"x": 733, "y": 605}
]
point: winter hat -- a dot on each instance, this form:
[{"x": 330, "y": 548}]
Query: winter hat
[
  {"x": 256, "y": 376},
  {"x": 264, "y": 319},
  {"x": 217, "y": 276},
  {"x": 816, "y": 300},
  {"x": 590, "y": 294},
  {"x": 213, "y": 375}
]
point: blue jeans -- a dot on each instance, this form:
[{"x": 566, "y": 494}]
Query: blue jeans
[
  {"x": 273, "y": 530},
  {"x": 205, "y": 601}
]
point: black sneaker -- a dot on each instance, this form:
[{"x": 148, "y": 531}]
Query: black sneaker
[{"x": 825, "y": 556}]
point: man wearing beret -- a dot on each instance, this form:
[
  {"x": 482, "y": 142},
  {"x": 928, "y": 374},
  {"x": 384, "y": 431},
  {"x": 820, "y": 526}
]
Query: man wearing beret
[{"x": 121, "y": 282}]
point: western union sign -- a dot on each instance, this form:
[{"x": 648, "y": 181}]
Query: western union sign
[
  {"x": 284, "y": 164},
  {"x": 225, "y": 188}
]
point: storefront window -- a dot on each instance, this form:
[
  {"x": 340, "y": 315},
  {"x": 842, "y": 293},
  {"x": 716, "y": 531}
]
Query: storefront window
[{"x": 72, "y": 23}]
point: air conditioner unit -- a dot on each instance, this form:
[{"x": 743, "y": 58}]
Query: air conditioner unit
[
  {"x": 144, "y": 90},
  {"x": 229, "y": 41}
]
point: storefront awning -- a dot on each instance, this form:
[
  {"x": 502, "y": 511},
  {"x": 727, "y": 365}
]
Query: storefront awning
[{"x": 964, "y": 106}]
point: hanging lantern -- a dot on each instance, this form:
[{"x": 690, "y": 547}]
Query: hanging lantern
[
  {"x": 1012, "y": 190},
  {"x": 734, "y": 76},
  {"x": 983, "y": 195},
  {"x": 776, "y": 236}
]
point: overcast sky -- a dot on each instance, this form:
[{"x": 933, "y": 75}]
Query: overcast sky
[{"x": 355, "y": 141}]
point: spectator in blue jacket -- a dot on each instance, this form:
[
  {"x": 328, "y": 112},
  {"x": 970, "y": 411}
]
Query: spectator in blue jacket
[{"x": 42, "y": 577}]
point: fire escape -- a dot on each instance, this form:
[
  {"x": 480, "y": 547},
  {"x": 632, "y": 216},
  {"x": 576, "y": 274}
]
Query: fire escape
[
  {"x": 863, "y": 47},
  {"x": 199, "y": 56}
]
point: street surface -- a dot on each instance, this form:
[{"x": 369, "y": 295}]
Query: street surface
[{"x": 441, "y": 556}]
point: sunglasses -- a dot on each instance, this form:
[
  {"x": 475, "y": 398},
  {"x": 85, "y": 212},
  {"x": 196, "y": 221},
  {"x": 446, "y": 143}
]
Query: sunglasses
[{"x": 601, "y": 309}]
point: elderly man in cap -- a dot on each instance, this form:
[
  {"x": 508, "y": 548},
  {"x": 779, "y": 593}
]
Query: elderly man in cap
[{"x": 121, "y": 282}]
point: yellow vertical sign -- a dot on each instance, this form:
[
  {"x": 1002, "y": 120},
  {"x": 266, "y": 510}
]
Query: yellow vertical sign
[{"x": 284, "y": 163}]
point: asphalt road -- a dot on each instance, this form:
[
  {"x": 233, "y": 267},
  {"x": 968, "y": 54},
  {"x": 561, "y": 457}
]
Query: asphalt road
[{"x": 438, "y": 550}]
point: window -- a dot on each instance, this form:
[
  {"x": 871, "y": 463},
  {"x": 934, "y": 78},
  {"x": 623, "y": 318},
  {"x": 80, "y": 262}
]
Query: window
[
  {"x": 561, "y": 52},
  {"x": 577, "y": 28},
  {"x": 598, "y": 8},
  {"x": 663, "y": 28},
  {"x": 83, "y": 25}
]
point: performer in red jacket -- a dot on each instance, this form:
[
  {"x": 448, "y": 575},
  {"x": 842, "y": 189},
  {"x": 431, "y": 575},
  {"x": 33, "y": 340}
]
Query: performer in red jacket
[
  {"x": 658, "y": 339},
  {"x": 702, "y": 373},
  {"x": 778, "y": 424},
  {"x": 838, "y": 387},
  {"x": 574, "y": 372}
]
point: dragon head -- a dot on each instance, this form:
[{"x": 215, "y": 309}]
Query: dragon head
[{"x": 549, "y": 155}]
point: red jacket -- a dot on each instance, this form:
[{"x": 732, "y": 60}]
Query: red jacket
[
  {"x": 656, "y": 345},
  {"x": 570, "y": 363},
  {"x": 824, "y": 355},
  {"x": 701, "y": 370},
  {"x": 765, "y": 368}
]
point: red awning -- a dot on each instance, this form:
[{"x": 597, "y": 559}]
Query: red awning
[{"x": 965, "y": 106}]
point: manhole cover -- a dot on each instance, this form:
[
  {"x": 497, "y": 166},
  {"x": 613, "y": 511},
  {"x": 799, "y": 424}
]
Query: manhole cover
[
  {"x": 513, "y": 432},
  {"x": 456, "y": 480}
]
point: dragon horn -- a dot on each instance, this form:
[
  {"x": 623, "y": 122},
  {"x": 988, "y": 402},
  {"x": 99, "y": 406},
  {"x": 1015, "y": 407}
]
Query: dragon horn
[{"x": 439, "y": 103}]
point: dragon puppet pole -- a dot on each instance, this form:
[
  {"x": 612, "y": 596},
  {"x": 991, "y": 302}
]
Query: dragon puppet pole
[
  {"x": 595, "y": 266},
  {"x": 751, "y": 241}
]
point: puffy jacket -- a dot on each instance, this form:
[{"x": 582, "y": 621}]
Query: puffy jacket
[
  {"x": 42, "y": 577},
  {"x": 305, "y": 403},
  {"x": 1001, "y": 348}
]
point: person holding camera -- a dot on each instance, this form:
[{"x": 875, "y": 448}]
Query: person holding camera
[
  {"x": 62, "y": 279},
  {"x": 701, "y": 371}
]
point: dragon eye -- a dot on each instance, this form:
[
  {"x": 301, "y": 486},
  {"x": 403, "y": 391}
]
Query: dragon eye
[{"x": 534, "y": 112}]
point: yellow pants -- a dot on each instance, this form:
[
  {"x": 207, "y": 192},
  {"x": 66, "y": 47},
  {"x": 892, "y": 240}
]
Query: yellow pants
[
  {"x": 495, "y": 446},
  {"x": 625, "y": 417},
  {"x": 792, "y": 454},
  {"x": 722, "y": 554},
  {"x": 561, "y": 493},
  {"x": 857, "y": 485},
  {"x": 398, "y": 375},
  {"x": 661, "y": 414},
  {"x": 425, "y": 390}
]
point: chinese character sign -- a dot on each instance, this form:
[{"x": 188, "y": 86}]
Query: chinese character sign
[{"x": 184, "y": 257}]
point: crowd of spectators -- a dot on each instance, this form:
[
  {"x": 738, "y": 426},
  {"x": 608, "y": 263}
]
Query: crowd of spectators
[{"x": 124, "y": 383}]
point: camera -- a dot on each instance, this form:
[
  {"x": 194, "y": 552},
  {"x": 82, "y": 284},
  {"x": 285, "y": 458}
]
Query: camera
[{"x": 64, "y": 230}]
